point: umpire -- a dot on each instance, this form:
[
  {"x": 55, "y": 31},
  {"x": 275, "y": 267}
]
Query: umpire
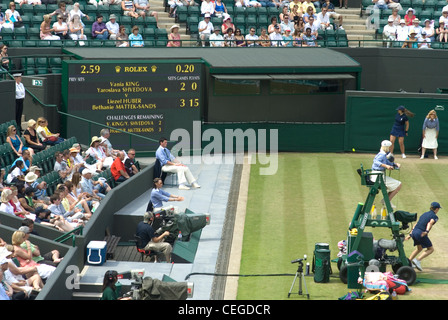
[{"x": 420, "y": 235}]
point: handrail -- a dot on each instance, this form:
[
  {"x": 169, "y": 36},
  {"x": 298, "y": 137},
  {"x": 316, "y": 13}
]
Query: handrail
[{"x": 68, "y": 235}]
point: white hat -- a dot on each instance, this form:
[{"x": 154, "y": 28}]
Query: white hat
[
  {"x": 86, "y": 171},
  {"x": 30, "y": 177},
  {"x": 410, "y": 9},
  {"x": 402, "y": 21},
  {"x": 17, "y": 75},
  {"x": 207, "y": 15},
  {"x": 3, "y": 254},
  {"x": 174, "y": 26},
  {"x": 390, "y": 20},
  {"x": 386, "y": 143}
]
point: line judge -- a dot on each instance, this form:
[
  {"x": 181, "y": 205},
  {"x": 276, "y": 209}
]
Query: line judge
[{"x": 170, "y": 164}]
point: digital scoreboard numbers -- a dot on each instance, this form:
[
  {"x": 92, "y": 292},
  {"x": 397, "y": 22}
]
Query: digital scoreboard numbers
[{"x": 150, "y": 99}]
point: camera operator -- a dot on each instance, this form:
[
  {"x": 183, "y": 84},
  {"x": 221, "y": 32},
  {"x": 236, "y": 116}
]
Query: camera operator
[
  {"x": 109, "y": 290},
  {"x": 150, "y": 240}
]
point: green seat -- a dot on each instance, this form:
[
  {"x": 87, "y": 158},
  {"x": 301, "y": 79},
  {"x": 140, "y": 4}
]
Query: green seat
[
  {"x": 150, "y": 22},
  {"x": 7, "y": 34},
  {"x": 40, "y": 9}
]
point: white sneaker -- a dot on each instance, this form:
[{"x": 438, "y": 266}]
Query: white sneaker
[
  {"x": 435, "y": 158},
  {"x": 417, "y": 264},
  {"x": 183, "y": 187},
  {"x": 403, "y": 156},
  {"x": 422, "y": 157},
  {"x": 195, "y": 185}
]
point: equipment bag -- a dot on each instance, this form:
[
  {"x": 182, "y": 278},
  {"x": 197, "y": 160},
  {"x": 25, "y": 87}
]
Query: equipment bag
[{"x": 322, "y": 267}]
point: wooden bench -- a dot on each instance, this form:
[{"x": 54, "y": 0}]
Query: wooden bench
[{"x": 112, "y": 243}]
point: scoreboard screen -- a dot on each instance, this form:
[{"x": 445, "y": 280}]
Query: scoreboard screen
[{"x": 147, "y": 98}]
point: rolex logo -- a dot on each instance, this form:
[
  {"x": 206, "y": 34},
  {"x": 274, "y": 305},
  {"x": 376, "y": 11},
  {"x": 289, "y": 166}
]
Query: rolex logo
[
  {"x": 154, "y": 68},
  {"x": 117, "y": 69}
]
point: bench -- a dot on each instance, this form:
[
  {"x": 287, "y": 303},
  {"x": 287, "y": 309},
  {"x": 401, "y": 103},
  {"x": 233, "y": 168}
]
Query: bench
[{"x": 112, "y": 243}]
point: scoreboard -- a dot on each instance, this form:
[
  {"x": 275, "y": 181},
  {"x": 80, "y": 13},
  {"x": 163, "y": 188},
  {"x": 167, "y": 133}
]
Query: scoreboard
[{"x": 146, "y": 98}]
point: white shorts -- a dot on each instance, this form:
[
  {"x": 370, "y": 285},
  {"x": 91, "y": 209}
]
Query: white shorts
[{"x": 391, "y": 183}]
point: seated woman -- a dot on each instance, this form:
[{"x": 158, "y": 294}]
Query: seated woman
[
  {"x": 158, "y": 195},
  {"x": 381, "y": 163},
  {"x": 45, "y": 135},
  {"x": 15, "y": 173},
  {"x": 99, "y": 154},
  {"x": 32, "y": 140},
  {"x": 15, "y": 142}
]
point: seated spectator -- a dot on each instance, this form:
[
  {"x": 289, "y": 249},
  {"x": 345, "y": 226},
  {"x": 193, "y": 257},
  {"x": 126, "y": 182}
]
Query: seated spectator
[
  {"x": 216, "y": 38},
  {"x": 380, "y": 4},
  {"x": 295, "y": 13},
  {"x": 174, "y": 37},
  {"x": 395, "y": 16},
  {"x": 247, "y": 3},
  {"x": 76, "y": 29},
  {"x": 89, "y": 186},
  {"x": 14, "y": 141},
  {"x": 46, "y": 29},
  {"x": 18, "y": 209},
  {"x": 40, "y": 188},
  {"x": 99, "y": 30},
  {"x": 227, "y": 23},
  {"x": 158, "y": 195},
  {"x": 333, "y": 15},
  {"x": 411, "y": 41},
  {"x": 118, "y": 169},
  {"x": 308, "y": 39},
  {"x": 105, "y": 135},
  {"x": 442, "y": 32},
  {"x": 286, "y": 24},
  {"x": 444, "y": 16},
  {"x": 286, "y": 12},
  {"x": 135, "y": 38},
  {"x": 313, "y": 25},
  {"x": 297, "y": 38},
  {"x": 32, "y": 140},
  {"x": 61, "y": 28},
  {"x": 417, "y": 28},
  {"x": 45, "y": 217},
  {"x": 61, "y": 11},
  {"x": 402, "y": 31},
  {"x": 129, "y": 163},
  {"x": 128, "y": 8},
  {"x": 4, "y": 51},
  {"x": 81, "y": 199},
  {"x": 74, "y": 217},
  {"x": 391, "y": 4},
  {"x": 27, "y": 199},
  {"x": 429, "y": 29},
  {"x": 323, "y": 18},
  {"x": 276, "y": 37},
  {"x": 142, "y": 8},
  {"x": 409, "y": 17},
  {"x": 97, "y": 3},
  {"x": 5, "y": 199},
  {"x": 229, "y": 38},
  {"x": 45, "y": 135},
  {"x": 306, "y": 4},
  {"x": 52, "y": 258},
  {"x": 61, "y": 167},
  {"x": 390, "y": 32},
  {"x": 173, "y": 5},
  {"x": 264, "y": 38},
  {"x": 72, "y": 204},
  {"x": 220, "y": 8},
  {"x": 113, "y": 27},
  {"x": 12, "y": 17},
  {"x": 239, "y": 38},
  {"x": 297, "y": 3},
  {"x": 122, "y": 38},
  {"x": 207, "y": 7},
  {"x": 99, "y": 154},
  {"x": 424, "y": 41},
  {"x": 76, "y": 11},
  {"x": 26, "y": 159},
  {"x": 287, "y": 38},
  {"x": 78, "y": 161},
  {"x": 205, "y": 28},
  {"x": 271, "y": 27},
  {"x": 15, "y": 174}
]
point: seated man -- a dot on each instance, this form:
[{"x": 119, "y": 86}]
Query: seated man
[
  {"x": 158, "y": 195},
  {"x": 91, "y": 187},
  {"x": 150, "y": 241},
  {"x": 129, "y": 163},
  {"x": 99, "y": 29},
  {"x": 118, "y": 169},
  {"x": 205, "y": 29},
  {"x": 61, "y": 167},
  {"x": 170, "y": 164},
  {"x": 142, "y": 8}
]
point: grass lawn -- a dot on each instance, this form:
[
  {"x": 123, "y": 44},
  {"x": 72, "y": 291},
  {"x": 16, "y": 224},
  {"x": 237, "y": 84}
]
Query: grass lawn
[{"x": 311, "y": 199}]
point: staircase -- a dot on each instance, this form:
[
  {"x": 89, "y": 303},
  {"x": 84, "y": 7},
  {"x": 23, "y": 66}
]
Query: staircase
[
  {"x": 165, "y": 22},
  {"x": 355, "y": 27}
]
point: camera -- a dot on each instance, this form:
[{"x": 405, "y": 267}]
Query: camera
[{"x": 299, "y": 260}]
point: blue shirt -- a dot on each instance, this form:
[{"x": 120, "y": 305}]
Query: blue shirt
[
  {"x": 164, "y": 155},
  {"x": 137, "y": 40},
  {"x": 3, "y": 294},
  {"x": 425, "y": 219},
  {"x": 431, "y": 124},
  {"x": 381, "y": 158},
  {"x": 145, "y": 232},
  {"x": 157, "y": 196}
]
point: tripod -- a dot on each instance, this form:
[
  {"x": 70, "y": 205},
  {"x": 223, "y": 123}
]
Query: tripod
[{"x": 301, "y": 276}]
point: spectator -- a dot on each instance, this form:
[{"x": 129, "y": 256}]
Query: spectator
[
  {"x": 72, "y": 217},
  {"x": 118, "y": 169},
  {"x": 99, "y": 30},
  {"x": 297, "y": 38},
  {"x": 220, "y": 8},
  {"x": 26, "y": 159},
  {"x": 324, "y": 20},
  {"x": 409, "y": 17},
  {"x": 276, "y": 37},
  {"x": 251, "y": 38},
  {"x": 308, "y": 39},
  {"x": 391, "y": 4},
  {"x": 332, "y": 13},
  {"x": 4, "y": 56},
  {"x": 313, "y": 25},
  {"x": 444, "y": 16},
  {"x": 112, "y": 27},
  {"x": 60, "y": 28},
  {"x": 30, "y": 135},
  {"x": 76, "y": 11},
  {"x": 93, "y": 188},
  {"x": 142, "y": 8},
  {"x": 40, "y": 188},
  {"x": 20, "y": 96},
  {"x": 96, "y": 3},
  {"x": 174, "y": 37},
  {"x": 45, "y": 135},
  {"x": 81, "y": 199},
  {"x": 149, "y": 239},
  {"x": 239, "y": 38},
  {"x": 129, "y": 163},
  {"x": 380, "y": 4},
  {"x": 306, "y": 4},
  {"x": 136, "y": 39},
  {"x": 173, "y": 5},
  {"x": 46, "y": 29},
  {"x": 45, "y": 217},
  {"x": 158, "y": 195},
  {"x": 15, "y": 174},
  {"x": 27, "y": 199},
  {"x": 271, "y": 27},
  {"x": 18, "y": 209},
  {"x": 205, "y": 29},
  {"x": 429, "y": 29},
  {"x": 12, "y": 17},
  {"x": 122, "y": 38},
  {"x": 287, "y": 38},
  {"x": 216, "y": 38},
  {"x": 105, "y": 135},
  {"x": 297, "y": 3},
  {"x": 286, "y": 24},
  {"x": 99, "y": 154},
  {"x": 14, "y": 141},
  {"x": 61, "y": 167},
  {"x": 170, "y": 164},
  {"x": 442, "y": 32},
  {"x": 207, "y": 7},
  {"x": 61, "y": 11},
  {"x": 264, "y": 38},
  {"x": 299, "y": 25},
  {"x": 247, "y": 3},
  {"x": 390, "y": 32},
  {"x": 396, "y": 17},
  {"x": 72, "y": 204},
  {"x": 52, "y": 258},
  {"x": 229, "y": 38},
  {"x": 309, "y": 13},
  {"x": 417, "y": 28},
  {"x": 411, "y": 42},
  {"x": 128, "y": 8},
  {"x": 226, "y": 24},
  {"x": 402, "y": 31},
  {"x": 285, "y": 12},
  {"x": 5, "y": 199}
]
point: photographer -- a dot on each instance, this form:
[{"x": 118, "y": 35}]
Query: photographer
[{"x": 150, "y": 240}]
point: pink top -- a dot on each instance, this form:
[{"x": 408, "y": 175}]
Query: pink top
[{"x": 175, "y": 37}]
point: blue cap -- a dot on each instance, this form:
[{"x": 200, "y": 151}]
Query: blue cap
[
  {"x": 435, "y": 205},
  {"x": 400, "y": 108}
]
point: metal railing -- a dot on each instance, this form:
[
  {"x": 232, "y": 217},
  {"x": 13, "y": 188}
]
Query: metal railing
[{"x": 70, "y": 235}]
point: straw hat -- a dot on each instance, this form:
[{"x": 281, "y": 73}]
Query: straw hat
[{"x": 94, "y": 139}]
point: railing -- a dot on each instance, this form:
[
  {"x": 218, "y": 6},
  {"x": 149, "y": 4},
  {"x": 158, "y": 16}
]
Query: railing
[{"x": 71, "y": 234}]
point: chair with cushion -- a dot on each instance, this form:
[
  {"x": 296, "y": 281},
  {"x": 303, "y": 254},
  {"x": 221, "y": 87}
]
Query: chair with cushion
[{"x": 144, "y": 253}]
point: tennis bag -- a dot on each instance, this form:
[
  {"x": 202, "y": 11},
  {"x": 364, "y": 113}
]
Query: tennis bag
[{"x": 321, "y": 264}]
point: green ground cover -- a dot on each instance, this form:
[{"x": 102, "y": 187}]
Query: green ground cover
[{"x": 312, "y": 199}]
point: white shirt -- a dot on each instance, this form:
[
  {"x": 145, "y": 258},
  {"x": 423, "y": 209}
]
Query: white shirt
[
  {"x": 207, "y": 7},
  {"x": 20, "y": 91},
  {"x": 216, "y": 40},
  {"x": 203, "y": 24},
  {"x": 274, "y": 36},
  {"x": 59, "y": 28},
  {"x": 402, "y": 33},
  {"x": 323, "y": 18},
  {"x": 390, "y": 30},
  {"x": 113, "y": 27},
  {"x": 250, "y": 37},
  {"x": 426, "y": 43}
]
